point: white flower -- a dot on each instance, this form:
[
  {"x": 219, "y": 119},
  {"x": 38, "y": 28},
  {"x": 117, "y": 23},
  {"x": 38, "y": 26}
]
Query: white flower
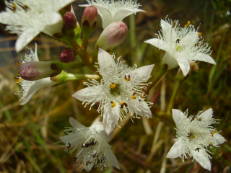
[
  {"x": 29, "y": 88},
  {"x": 119, "y": 92},
  {"x": 91, "y": 144},
  {"x": 194, "y": 135},
  {"x": 28, "y": 18},
  {"x": 113, "y": 11},
  {"x": 182, "y": 45}
]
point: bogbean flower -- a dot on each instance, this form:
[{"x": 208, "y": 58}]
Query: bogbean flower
[
  {"x": 28, "y": 18},
  {"x": 119, "y": 93},
  {"x": 194, "y": 135},
  {"x": 114, "y": 11},
  {"x": 91, "y": 144},
  {"x": 183, "y": 45},
  {"x": 29, "y": 88}
]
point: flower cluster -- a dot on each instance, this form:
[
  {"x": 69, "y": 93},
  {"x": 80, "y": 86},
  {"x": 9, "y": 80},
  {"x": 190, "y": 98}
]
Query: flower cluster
[{"x": 116, "y": 90}]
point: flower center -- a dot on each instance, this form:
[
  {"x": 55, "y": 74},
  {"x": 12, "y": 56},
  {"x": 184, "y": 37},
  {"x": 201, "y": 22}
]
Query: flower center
[
  {"x": 191, "y": 136},
  {"x": 114, "y": 89},
  {"x": 179, "y": 47}
]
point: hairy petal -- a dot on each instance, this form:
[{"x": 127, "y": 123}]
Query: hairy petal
[
  {"x": 142, "y": 74},
  {"x": 202, "y": 158},
  {"x": 161, "y": 44},
  {"x": 177, "y": 150},
  {"x": 139, "y": 107},
  {"x": 91, "y": 94}
]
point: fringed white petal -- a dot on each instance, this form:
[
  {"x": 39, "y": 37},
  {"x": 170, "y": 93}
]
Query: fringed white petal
[
  {"x": 157, "y": 43},
  {"x": 142, "y": 74},
  {"x": 54, "y": 23},
  {"x": 111, "y": 117},
  {"x": 179, "y": 117},
  {"x": 105, "y": 15},
  {"x": 59, "y": 4},
  {"x": 168, "y": 31},
  {"x": 106, "y": 62},
  {"x": 90, "y": 94},
  {"x": 203, "y": 57},
  {"x": 202, "y": 158},
  {"x": 177, "y": 150},
  {"x": 123, "y": 13},
  {"x": 25, "y": 38},
  {"x": 139, "y": 107},
  {"x": 29, "y": 88},
  {"x": 218, "y": 139},
  {"x": 184, "y": 65}
]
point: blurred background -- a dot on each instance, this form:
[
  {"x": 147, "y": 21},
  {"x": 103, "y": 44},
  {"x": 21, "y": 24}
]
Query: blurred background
[{"x": 29, "y": 135}]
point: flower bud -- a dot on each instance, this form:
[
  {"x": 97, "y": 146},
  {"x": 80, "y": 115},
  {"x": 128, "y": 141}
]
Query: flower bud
[
  {"x": 67, "y": 55},
  {"x": 113, "y": 35},
  {"x": 89, "y": 16},
  {"x": 37, "y": 70},
  {"x": 69, "y": 20}
]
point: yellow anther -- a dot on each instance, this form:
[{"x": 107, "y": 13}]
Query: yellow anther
[
  {"x": 199, "y": 34},
  {"x": 213, "y": 132},
  {"x": 113, "y": 85},
  {"x": 127, "y": 77},
  {"x": 18, "y": 80},
  {"x": 113, "y": 104},
  {"x": 188, "y": 24},
  {"x": 133, "y": 97}
]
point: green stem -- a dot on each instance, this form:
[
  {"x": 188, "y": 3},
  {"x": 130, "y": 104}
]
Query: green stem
[
  {"x": 175, "y": 88},
  {"x": 64, "y": 77}
]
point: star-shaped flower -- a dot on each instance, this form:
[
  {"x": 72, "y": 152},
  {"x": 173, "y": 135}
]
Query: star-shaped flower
[
  {"x": 119, "y": 92},
  {"x": 28, "y": 18},
  {"x": 113, "y": 11},
  {"x": 182, "y": 45},
  {"x": 194, "y": 134},
  {"x": 91, "y": 144},
  {"x": 29, "y": 88}
]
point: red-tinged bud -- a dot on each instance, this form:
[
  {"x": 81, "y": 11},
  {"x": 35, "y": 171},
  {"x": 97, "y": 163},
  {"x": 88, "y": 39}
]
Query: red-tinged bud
[
  {"x": 69, "y": 20},
  {"x": 113, "y": 35},
  {"x": 67, "y": 55},
  {"x": 37, "y": 70},
  {"x": 89, "y": 17}
]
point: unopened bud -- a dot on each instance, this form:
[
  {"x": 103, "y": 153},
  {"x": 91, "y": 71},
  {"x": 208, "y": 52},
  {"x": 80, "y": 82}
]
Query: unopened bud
[
  {"x": 37, "y": 70},
  {"x": 89, "y": 16},
  {"x": 113, "y": 35},
  {"x": 69, "y": 20},
  {"x": 67, "y": 55}
]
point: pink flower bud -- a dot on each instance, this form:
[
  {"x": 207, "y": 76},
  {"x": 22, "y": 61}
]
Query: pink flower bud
[
  {"x": 69, "y": 20},
  {"x": 89, "y": 16},
  {"x": 37, "y": 70},
  {"x": 67, "y": 55},
  {"x": 113, "y": 35}
]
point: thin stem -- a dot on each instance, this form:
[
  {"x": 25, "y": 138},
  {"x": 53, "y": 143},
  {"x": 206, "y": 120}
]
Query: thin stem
[{"x": 175, "y": 88}]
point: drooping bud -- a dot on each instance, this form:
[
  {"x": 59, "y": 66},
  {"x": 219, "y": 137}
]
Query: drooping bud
[
  {"x": 113, "y": 35},
  {"x": 37, "y": 70},
  {"x": 67, "y": 55},
  {"x": 89, "y": 16},
  {"x": 69, "y": 20}
]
